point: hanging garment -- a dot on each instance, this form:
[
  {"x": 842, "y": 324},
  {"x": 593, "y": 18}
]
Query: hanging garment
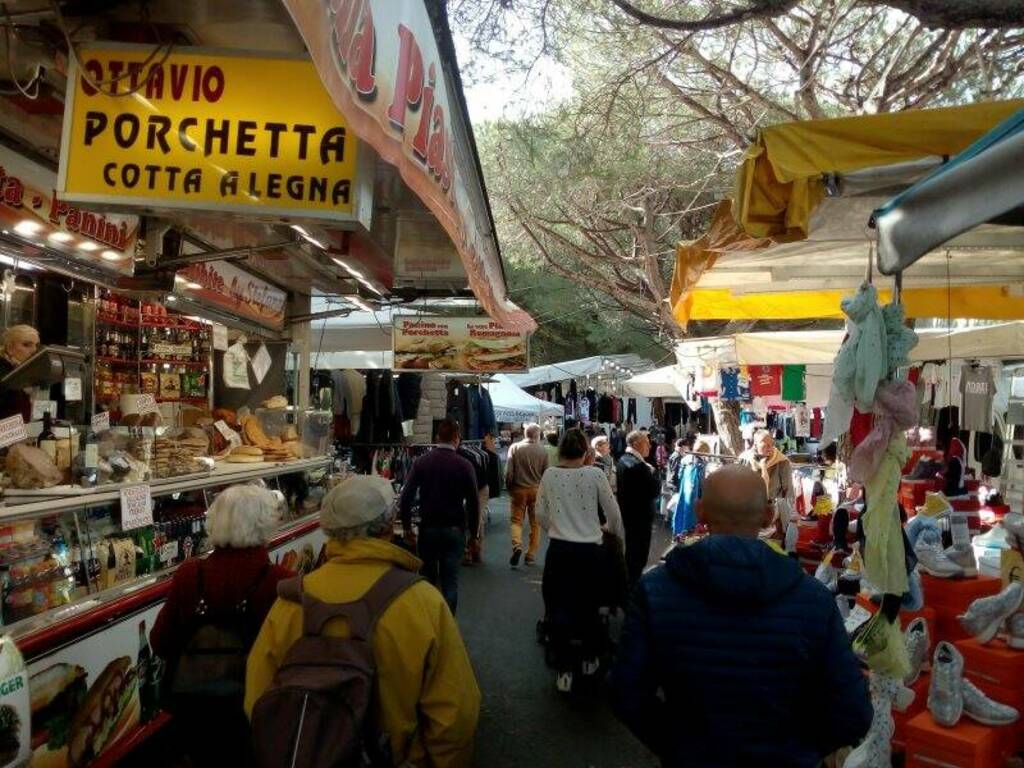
[
  {"x": 471, "y": 427},
  {"x": 977, "y": 392},
  {"x": 605, "y": 410},
  {"x": 885, "y": 557},
  {"x": 947, "y": 386},
  {"x": 794, "y": 387},
  {"x": 584, "y": 409},
  {"x": 592, "y": 399},
  {"x": 488, "y": 423},
  {"x": 817, "y": 423},
  {"x": 410, "y": 390},
  {"x": 457, "y": 407},
  {"x": 765, "y": 380},
  {"x": 357, "y": 389},
  {"x": 730, "y": 386},
  {"x": 860, "y": 427},
  {"x": 899, "y": 339},
  {"x": 947, "y": 425},
  {"x": 658, "y": 410},
  {"x": 691, "y": 485},
  {"x": 895, "y": 410},
  {"x": 801, "y": 421}
]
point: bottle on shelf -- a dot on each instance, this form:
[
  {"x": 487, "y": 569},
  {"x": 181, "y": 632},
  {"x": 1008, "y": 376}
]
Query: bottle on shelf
[
  {"x": 47, "y": 439},
  {"x": 90, "y": 460}
]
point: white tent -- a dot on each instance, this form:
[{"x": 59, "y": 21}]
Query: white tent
[
  {"x": 611, "y": 365},
  {"x": 512, "y": 404},
  {"x": 661, "y": 382}
]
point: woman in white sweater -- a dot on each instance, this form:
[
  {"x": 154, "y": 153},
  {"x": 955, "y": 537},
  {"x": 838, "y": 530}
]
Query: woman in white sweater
[{"x": 575, "y": 505}]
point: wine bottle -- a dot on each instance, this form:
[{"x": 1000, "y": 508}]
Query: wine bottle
[{"x": 47, "y": 438}]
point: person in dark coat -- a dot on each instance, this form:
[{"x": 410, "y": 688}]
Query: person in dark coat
[
  {"x": 637, "y": 489},
  {"x": 731, "y": 654}
]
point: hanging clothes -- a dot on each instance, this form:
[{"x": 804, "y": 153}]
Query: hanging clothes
[
  {"x": 730, "y": 384},
  {"x": 794, "y": 387},
  {"x": 488, "y": 422},
  {"x": 691, "y": 485},
  {"x": 977, "y": 392},
  {"x": 457, "y": 406},
  {"x": 605, "y": 409},
  {"x": 765, "y": 380},
  {"x": 410, "y": 391},
  {"x": 471, "y": 429},
  {"x": 381, "y": 419},
  {"x": 801, "y": 421}
]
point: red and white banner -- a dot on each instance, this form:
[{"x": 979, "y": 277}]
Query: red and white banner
[
  {"x": 380, "y": 62},
  {"x": 222, "y": 285}
]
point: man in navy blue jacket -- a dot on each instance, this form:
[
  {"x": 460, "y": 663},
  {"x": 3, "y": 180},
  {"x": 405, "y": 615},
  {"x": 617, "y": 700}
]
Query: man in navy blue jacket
[{"x": 731, "y": 655}]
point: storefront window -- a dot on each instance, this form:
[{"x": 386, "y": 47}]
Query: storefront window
[
  {"x": 78, "y": 331},
  {"x": 21, "y": 308}
]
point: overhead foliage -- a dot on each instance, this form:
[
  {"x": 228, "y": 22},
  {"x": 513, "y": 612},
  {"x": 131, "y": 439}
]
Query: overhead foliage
[{"x": 602, "y": 186}]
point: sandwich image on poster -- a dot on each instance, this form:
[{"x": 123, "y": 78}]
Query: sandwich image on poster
[
  {"x": 72, "y": 723},
  {"x": 15, "y": 709},
  {"x": 463, "y": 345}
]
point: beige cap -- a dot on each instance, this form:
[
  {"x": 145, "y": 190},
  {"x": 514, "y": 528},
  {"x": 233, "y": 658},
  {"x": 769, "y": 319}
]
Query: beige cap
[{"x": 359, "y": 500}]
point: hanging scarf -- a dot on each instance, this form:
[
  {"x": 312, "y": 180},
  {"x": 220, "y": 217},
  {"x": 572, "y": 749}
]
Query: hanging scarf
[
  {"x": 899, "y": 339},
  {"x": 895, "y": 410}
]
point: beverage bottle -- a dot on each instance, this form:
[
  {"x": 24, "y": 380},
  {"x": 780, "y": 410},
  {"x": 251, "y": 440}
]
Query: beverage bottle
[
  {"x": 90, "y": 460},
  {"x": 47, "y": 438},
  {"x": 145, "y": 675}
]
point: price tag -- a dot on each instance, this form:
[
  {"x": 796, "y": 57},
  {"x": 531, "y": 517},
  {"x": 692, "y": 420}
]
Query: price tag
[
  {"x": 220, "y": 337},
  {"x": 40, "y": 407},
  {"x": 101, "y": 421},
  {"x": 73, "y": 390},
  {"x": 146, "y": 404},
  {"x": 136, "y": 507},
  {"x": 169, "y": 552},
  {"x": 12, "y": 430},
  {"x": 261, "y": 363},
  {"x": 229, "y": 434}
]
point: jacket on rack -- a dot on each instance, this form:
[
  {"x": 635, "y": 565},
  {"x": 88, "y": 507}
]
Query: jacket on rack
[
  {"x": 457, "y": 406},
  {"x": 493, "y": 474},
  {"x": 410, "y": 391},
  {"x": 488, "y": 423},
  {"x": 724, "y": 648},
  {"x": 471, "y": 429},
  {"x": 381, "y": 418}
]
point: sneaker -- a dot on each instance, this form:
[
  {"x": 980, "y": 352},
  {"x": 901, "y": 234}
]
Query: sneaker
[
  {"x": 1015, "y": 631},
  {"x": 935, "y": 505},
  {"x": 517, "y": 553},
  {"x": 827, "y": 575},
  {"x": 984, "y": 710},
  {"x": 859, "y": 616},
  {"x": 591, "y": 667},
  {"x": 843, "y": 604},
  {"x": 531, "y": 561},
  {"x": 946, "y": 689},
  {"x": 933, "y": 560},
  {"x": 1013, "y": 525},
  {"x": 964, "y": 557},
  {"x": 985, "y": 616},
  {"x": 918, "y": 641},
  {"x": 564, "y": 682}
]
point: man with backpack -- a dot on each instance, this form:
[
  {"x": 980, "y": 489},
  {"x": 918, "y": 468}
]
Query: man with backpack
[{"x": 361, "y": 656}]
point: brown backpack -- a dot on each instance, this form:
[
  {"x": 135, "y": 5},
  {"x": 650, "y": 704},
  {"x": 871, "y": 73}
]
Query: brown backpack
[{"x": 319, "y": 711}]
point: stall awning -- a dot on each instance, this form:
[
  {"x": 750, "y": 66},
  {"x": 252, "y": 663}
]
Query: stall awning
[
  {"x": 512, "y": 404},
  {"x": 608, "y": 365},
  {"x": 389, "y": 66},
  {"x": 661, "y": 382},
  {"x": 980, "y": 184}
]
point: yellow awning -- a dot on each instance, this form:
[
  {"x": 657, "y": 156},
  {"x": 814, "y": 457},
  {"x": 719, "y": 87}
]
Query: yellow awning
[
  {"x": 780, "y": 180},
  {"x": 980, "y": 302}
]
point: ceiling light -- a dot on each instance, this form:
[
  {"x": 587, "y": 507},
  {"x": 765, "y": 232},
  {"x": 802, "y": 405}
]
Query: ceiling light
[
  {"x": 27, "y": 227},
  {"x": 179, "y": 279},
  {"x": 86, "y": 245},
  {"x": 192, "y": 286},
  {"x": 60, "y": 237},
  {"x": 171, "y": 298},
  {"x": 111, "y": 255}
]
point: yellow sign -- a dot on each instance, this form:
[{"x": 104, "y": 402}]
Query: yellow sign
[{"x": 204, "y": 130}]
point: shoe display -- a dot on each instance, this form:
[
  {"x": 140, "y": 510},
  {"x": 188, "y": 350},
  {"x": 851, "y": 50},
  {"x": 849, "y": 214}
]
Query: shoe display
[
  {"x": 590, "y": 668},
  {"x": 918, "y": 640},
  {"x": 843, "y": 603},
  {"x": 985, "y": 616},
  {"x": 984, "y": 710},
  {"x": 826, "y": 574},
  {"x": 1013, "y": 525},
  {"x": 563, "y": 682},
  {"x": 517, "y": 553},
  {"x": 859, "y": 616},
  {"x": 935, "y": 505},
  {"x": 1015, "y": 631},
  {"x": 875, "y": 751},
  {"x": 964, "y": 557},
  {"x": 932, "y": 560},
  {"x": 946, "y": 690}
]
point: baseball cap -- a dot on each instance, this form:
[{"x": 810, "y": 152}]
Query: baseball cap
[{"x": 359, "y": 500}]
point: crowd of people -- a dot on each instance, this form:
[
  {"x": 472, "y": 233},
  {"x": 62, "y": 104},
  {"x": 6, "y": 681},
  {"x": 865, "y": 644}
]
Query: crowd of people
[{"x": 363, "y": 656}]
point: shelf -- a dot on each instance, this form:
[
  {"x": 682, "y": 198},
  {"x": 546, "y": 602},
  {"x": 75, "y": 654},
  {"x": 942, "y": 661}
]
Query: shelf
[
  {"x": 161, "y": 361},
  {"x": 187, "y": 325},
  {"x": 182, "y": 399},
  {"x": 116, "y": 360},
  {"x": 111, "y": 320}
]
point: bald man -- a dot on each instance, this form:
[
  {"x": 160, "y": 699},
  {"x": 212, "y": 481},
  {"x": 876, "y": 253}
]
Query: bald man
[{"x": 731, "y": 654}]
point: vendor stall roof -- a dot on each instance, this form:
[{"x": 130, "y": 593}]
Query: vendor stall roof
[
  {"x": 661, "y": 382},
  {"x": 512, "y": 404},
  {"x": 607, "y": 365}
]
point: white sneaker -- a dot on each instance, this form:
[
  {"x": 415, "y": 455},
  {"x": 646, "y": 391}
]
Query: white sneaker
[
  {"x": 933, "y": 560},
  {"x": 917, "y": 640},
  {"x": 985, "y": 616},
  {"x": 590, "y": 667},
  {"x": 859, "y": 615},
  {"x": 964, "y": 557}
]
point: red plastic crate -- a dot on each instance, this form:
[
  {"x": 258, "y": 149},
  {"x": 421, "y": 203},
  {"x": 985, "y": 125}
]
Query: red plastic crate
[
  {"x": 995, "y": 664},
  {"x": 956, "y": 594}
]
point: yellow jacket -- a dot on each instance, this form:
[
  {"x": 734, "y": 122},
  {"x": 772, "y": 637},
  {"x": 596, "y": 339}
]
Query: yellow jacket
[{"x": 428, "y": 696}]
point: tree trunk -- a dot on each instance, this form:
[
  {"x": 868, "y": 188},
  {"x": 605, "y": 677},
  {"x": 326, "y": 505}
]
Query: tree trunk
[{"x": 727, "y": 419}]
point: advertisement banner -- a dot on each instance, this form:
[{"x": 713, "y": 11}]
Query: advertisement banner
[
  {"x": 206, "y": 131},
  {"x": 33, "y": 210},
  {"x": 223, "y": 285},
  {"x": 463, "y": 344},
  {"x": 380, "y": 62}
]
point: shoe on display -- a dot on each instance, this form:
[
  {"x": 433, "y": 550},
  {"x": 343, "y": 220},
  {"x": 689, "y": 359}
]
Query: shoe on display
[
  {"x": 843, "y": 604},
  {"x": 1015, "y": 631},
  {"x": 564, "y": 682},
  {"x": 933, "y": 560},
  {"x": 946, "y": 689},
  {"x": 589, "y": 668},
  {"x": 859, "y": 616},
  {"x": 984, "y": 710},
  {"x": 826, "y": 574},
  {"x": 875, "y": 751},
  {"x": 964, "y": 557},
  {"x": 517, "y": 553},
  {"x": 935, "y": 505},
  {"x": 1013, "y": 525},
  {"x": 918, "y": 640},
  {"x": 913, "y": 598},
  {"x": 985, "y": 616}
]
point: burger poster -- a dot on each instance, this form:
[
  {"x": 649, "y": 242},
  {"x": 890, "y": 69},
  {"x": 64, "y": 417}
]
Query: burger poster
[{"x": 464, "y": 345}]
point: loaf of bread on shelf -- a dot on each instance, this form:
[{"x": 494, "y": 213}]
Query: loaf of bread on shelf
[{"x": 30, "y": 467}]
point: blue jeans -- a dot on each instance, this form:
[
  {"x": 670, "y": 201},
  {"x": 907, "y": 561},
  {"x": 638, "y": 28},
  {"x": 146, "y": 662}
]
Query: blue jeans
[{"x": 441, "y": 550}]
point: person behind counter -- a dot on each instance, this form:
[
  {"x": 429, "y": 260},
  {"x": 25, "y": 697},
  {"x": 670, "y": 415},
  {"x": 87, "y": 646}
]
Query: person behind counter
[
  {"x": 20, "y": 342},
  {"x": 226, "y": 594}
]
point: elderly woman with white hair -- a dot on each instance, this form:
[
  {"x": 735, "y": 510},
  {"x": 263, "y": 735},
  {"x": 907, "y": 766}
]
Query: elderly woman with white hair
[{"x": 232, "y": 588}]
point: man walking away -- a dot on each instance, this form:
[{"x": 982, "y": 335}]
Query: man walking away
[
  {"x": 449, "y": 507},
  {"x": 425, "y": 697},
  {"x": 729, "y": 644},
  {"x": 637, "y": 489},
  {"x": 527, "y": 461}
]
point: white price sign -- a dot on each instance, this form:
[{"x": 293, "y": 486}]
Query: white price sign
[
  {"x": 169, "y": 552},
  {"x": 220, "y": 337},
  {"x": 73, "y": 390},
  {"x": 229, "y": 434},
  {"x": 101, "y": 421},
  {"x": 41, "y": 407},
  {"x": 12, "y": 430},
  {"x": 261, "y": 363},
  {"x": 147, "y": 404},
  {"x": 136, "y": 507}
]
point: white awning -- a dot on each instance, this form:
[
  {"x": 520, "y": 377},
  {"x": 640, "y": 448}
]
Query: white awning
[
  {"x": 512, "y": 404},
  {"x": 661, "y": 382}
]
